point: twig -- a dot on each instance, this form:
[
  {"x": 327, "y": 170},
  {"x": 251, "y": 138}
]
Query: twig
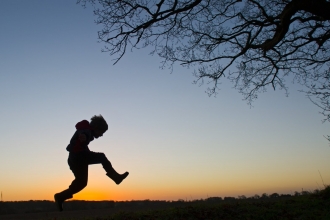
[{"x": 322, "y": 179}]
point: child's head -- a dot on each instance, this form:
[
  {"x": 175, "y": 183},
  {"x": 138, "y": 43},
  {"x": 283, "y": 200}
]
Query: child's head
[{"x": 99, "y": 125}]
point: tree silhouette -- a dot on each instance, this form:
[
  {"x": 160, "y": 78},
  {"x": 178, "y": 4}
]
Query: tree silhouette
[{"x": 256, "y": 44}]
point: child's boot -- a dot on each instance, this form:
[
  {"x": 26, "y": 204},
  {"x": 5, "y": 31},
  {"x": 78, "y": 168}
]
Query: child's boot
[
  {"x": 116, "y": 177},
  {"x": 61, "y": 197}
]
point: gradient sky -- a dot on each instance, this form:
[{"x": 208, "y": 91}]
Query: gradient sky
[{"x": 176, "y": 142}]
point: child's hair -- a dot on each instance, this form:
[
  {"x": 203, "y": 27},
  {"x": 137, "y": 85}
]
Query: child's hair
[{"x": 98, "y": 122}]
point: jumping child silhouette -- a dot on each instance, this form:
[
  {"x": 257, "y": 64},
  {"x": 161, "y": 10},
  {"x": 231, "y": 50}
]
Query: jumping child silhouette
[{"x": 80, "y": 157}]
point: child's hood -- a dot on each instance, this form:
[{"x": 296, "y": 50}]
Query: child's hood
[{"x": 82, "y": 125}]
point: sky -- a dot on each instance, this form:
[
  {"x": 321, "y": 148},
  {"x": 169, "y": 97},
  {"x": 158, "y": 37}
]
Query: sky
[{"x": 174, "y": 140}]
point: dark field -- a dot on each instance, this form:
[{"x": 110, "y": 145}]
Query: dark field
[{"x": 301, "y": 206}]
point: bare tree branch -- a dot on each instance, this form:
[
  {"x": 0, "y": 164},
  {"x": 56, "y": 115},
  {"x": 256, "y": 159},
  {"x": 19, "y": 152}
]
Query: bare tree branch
[{"x": 255, "y": 43}]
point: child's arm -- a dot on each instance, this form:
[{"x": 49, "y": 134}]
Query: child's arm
[
  {"x": 82, "y": 137},
  {"x": 79, "y": 141}
]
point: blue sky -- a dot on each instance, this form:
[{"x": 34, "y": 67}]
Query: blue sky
[{"x": 175, "y": 141}]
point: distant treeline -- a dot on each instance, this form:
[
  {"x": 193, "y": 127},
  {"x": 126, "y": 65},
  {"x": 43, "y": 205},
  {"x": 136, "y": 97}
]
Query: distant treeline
[{"x": 32, "y": 206}]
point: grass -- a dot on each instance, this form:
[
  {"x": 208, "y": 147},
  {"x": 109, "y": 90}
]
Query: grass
[{"x": 304, "y": 207}]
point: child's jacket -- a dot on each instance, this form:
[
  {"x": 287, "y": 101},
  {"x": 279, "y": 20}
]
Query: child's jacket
[{"x": 76, "y": 145}]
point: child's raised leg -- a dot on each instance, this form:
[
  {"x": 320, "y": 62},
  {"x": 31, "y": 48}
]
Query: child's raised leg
[{"x": 95, "y": 158}]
